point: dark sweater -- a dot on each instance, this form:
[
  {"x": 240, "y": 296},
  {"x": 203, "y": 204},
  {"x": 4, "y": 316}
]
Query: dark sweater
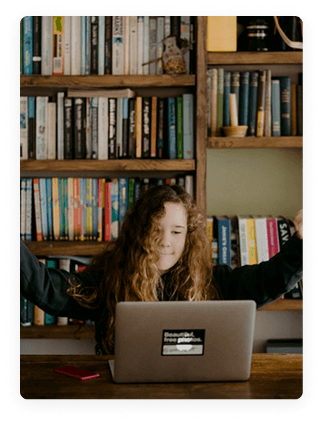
[{"x": 263, "y": 283}]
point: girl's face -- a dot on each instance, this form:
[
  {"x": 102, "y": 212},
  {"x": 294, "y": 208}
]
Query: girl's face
[{"x": 173, "y": 235}]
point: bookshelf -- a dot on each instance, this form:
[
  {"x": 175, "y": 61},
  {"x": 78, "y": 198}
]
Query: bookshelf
[{"x": 196, "y": 84}]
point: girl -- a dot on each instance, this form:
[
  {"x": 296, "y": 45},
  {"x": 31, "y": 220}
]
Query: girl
[{"x": 161, "y": 254}]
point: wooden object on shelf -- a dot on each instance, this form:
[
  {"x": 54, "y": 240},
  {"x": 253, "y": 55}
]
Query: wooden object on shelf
[{"x": 235, "y": 131}]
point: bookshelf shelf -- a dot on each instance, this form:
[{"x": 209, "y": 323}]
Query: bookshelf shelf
[
  {"x": 255, "y": 58},
  {"x": 108, "y": 165},
  {"x": 105, "y": 81},
  {"x": 255, "y": 142},
  {"x": 284, "y": 305},
  {"x": 62, "y": 248}
]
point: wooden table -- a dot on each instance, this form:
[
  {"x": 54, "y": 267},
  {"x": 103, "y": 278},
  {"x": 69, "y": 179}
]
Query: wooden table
[{"x": 273, "y": 376}]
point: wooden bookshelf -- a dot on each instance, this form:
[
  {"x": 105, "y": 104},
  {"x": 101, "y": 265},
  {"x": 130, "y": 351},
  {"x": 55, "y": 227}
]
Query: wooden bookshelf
[
  {"x": 255, "y": 142},
  {"x": 62, "y": 248},
  {"x": 284, "y": 305},
  {"x": 255, "y": 58}
]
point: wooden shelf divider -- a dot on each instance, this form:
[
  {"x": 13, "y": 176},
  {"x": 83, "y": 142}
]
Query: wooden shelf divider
[
  {"x": 255, "y": 142},
  {"x": 255, "y": 58}
]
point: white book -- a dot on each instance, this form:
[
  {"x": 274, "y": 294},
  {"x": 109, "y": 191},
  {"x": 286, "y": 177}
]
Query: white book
[
  {"x": 167, "y": 26},
  {"x": 146, "y": 44},
  {"x": 24, "y": 128},
  {"x": 37, "y": 206},
  {"x": 101, "y": 44},
  {"x": 51, "y": 132},
  {"x": 46, "y": 45},
  {"x": 102, "y": 128},
  {"x": 111, "y": 93},
  {"x": 133, "y": 45},
  {"x": 75, "y": 51},
  {"x": 188, "y": 131},
  {"x": 67, "y": 29},
  {"x": 60, "y": 125},
  {"x": 41, "y": 127},
  {"x": 94, "y": 126},
  {"x": 83, "y": 44},
  {"x": 119, "y": 128},
  {"x": 140, "y": 44},
  {"x": 185, "y": 34},
  {"x": 261, "y": 239},
  {"x": 118, "y": 45},
  {"x": 23, "y": 194},
  {"x": 126, "y": 45},
  {"x": 160, "y": 37},
  {"x": 70, "y": 198},
  {"x": 188, "y": 183},
  {"x": 243, "y": 242}
]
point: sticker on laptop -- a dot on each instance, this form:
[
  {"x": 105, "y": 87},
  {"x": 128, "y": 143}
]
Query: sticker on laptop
[{"x": 183, "y": 342}]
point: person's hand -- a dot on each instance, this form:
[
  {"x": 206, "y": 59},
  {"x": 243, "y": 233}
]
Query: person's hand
[{"x": 298, "y": 223}]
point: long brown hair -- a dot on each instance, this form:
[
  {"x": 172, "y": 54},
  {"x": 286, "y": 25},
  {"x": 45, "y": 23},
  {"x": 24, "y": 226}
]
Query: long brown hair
[{"x": 129, "y": 264}]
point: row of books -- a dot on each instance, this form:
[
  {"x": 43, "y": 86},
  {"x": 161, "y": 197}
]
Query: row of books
[
  {"x": 82, "y": 209},
  {"x": 269, "y": 106},
  {"x": 100, "y": 45},
  {"x": 31, "y": 314},
  {"x": 247, "y": 240},
  {"x": 106, "y": 124}
]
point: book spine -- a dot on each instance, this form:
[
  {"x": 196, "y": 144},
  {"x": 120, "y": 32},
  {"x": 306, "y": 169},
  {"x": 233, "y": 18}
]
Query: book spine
[
  {"x": 108, "y": 211},
  {"x": 235, "y": 86},
  {"x": 252, "y": 106},
  {"x": 172, "y": 128},
  {"x": 244, "y": 98},
  {"x": 67, "y": 47},
  {"x": 119, "y": 128},
  {"x": 101, "y": 44},
  {"x": 146, "y": 112},
  {"x": 261, "y": 104},
  {"x": 89, "y": 210},
  {"x": 276, "y": 108},
  {"x": 188, "y": 184},
  {"x": 132, "y": 141},
  {"x": 31, "y": 128},
  {"x": 28, "y": 210},
  {"x": 160, "y": 127},
  {"x": 118, "y": 45},
  {"x": 153, "y": 45},
  {"x": 125, "y": 127},
  {"x": 185, "y": 35},
  {"x": 46, "y": 45},
  {"x": 133, "y": 45},
  {"x": 126, "y": 45},
  {"x": 41, "y": 127},
  {"x": 261, "y": 239},
  {"x": 251, "y": 241},
  {"x": 108, "y": 45},
  {"x": 70, "y": 195},
  {"x": 23, "y": 185},
  {"x": 28, "y": 45},
  {"x": 87, "y": 125},
  {"x": 179, "y": 127},
  {"x": 138, "y": 127},
  {"x": 94, "y": 45},
  {"x": 153, "y": 144},
  {"x": 39, "y": 235},
  {"x": 58, "y": 45},
  {"x": 60, "y": 125},
  {"x": 86, "y": 46},
  {"x": 75, "y": 50},
  {"x": 146, "y": 44},
  {"x": 77, "y": 211},
  {"x": 285, "y": 92},
  {"x": 159, "y": 46},
  {"x": 293, "y": 110},
  {"x": 36, "y": 45},
  {"x": 188, "y": 126},
  {"x": 284, "y": 232},
  {"x": 224, "y": 241},
  {"x": 23, "y": 128},
  {"x": 112, "y": 128},
  {"x": 56, "y": 208},
  {"x": 51, "y": 131},
  {"x": 213, "y": 101},
  {"x": 123, "y": 199},
  {"x": 100, "y": 208},
  {"x": 243, "y": 242},
  {"x": 272, "y": 237},
  {"x": 49, "y": 207},
  {"x": 299, "y": 108},
  {"x": 220, "y": 100},
  {"x": 226, "y": 111},
  {"x": 68, "y": 128},
  {"x": 140, "y": 44},
  {"x": 102, "y": 133},
  {"x": 114, "y": 208},
  {"x": 268, "y": 104},
  {"x": 94, "y": 126}
]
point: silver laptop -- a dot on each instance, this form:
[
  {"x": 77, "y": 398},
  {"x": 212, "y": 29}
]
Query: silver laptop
[{"x": 183, "y": 341}]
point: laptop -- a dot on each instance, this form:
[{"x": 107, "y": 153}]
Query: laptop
[{"x": 183, "y": 341}]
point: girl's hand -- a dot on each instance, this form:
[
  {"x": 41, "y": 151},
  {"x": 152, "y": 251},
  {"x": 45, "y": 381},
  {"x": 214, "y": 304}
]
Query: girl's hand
[{"x": 298, "y": 222}]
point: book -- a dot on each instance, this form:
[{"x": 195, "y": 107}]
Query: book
[
  {"x": 36, "y": 39},
  {"x": 112, "y": 128},
  {"x": 39, "y": 236},
  {"x": 146, "y": 45},
  {"x": 138, "y": 127},
  {"x": 251, "y": 241},
  {"x": 261, "y": 104},
  {"x": 272, "y": 236},
  {"x": 108, "y": 45},
  {"x": 110, "y": 92},
  {"x": 41, "y": 127},
  {"x": 244, "y": 98},
  {"x": 60, "y": 109},
  {"x": 23, "y": 128},
  {"x": 179, "y": 127},
  {"x": 293, "y": 110},
  {"x": 243, "y": 241},
  {"x": 123, "y": 199},
  {"x": 75, "y": 45},
  {"x": 224, "y": 240},
  {"x": 68, "y": 129},
  {"x": 28, "y": 45},
  {"x": 115, "y": 208},
  {"x": 188, "y": 126},
  {"x": 159, "y": 44},
  {"x": 31, "y": 127},
  {"x": 140, "y": 39},
  {"x": 94, "y": 45},
  {"x": 285, "y": 93},
  {"x": 146, "y": 126},
  {"x": 261, "y": 239},
  {"x": 46, "y": 45},
  {"x": 276, "y": 108},
  {"x": 252, "y": 105},
  {"x": 153, "y": 137},
  {"x": 153, "y": 45},
  {"x": 268, "y": 104},
  {"x": 119, "y": 128},
  {"x": 58, "y": 45},
  {"x": 118, "y": 45},
  {"x": 67, "y": 45},
  {"x": 131, "y": 150},
  {"x": 160, "y": 127},
  {"x": 226, "y": 108},
  {"x": 125, "y": 126},
  {"x": 220, "y": 100},
  {"x": 103, "y": 129},
  {"x": 172, "y": 149},
  {"x": 213, "y": 101},
  {"x": 51, "y": 131},
  {"x": 133, "y": 25}
]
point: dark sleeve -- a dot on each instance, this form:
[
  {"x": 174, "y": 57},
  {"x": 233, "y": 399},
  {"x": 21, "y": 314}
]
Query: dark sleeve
[
  {"x": 264, "y": 282},
  {"x": 47, "y": 288}
]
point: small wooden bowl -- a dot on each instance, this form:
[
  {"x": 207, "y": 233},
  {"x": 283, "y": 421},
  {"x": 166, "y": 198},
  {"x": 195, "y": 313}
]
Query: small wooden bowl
[{"x": 235, "y": 131}]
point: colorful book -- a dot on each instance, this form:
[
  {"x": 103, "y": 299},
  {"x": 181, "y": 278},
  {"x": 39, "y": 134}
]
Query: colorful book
[
  {"x": 179, "y": 127},
  {"x": 272, "y": 237},
  {"x": 251, "y": 241},
  {"x": 224, "y": 240},
  {"x": 285, "y": 92},
  {"x": 23, "y": 128},
  {"x": 172, "y": 148},
  {"x": 276, "y": 108},
  {"x": 188, "y": 126},
  {"x": 243, "y": 242},
  {"x": 118, "y": 45},
  {"x": 114, "y": 208},
  {"x": 58, "y": 45},
  {"x": 28, "y": 45}
]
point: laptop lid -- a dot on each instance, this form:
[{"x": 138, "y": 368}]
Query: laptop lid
[{"x": 183, "y": 341}]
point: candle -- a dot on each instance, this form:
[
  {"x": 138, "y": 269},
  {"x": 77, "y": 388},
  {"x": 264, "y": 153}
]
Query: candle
[{"x": 233, "y": 110}]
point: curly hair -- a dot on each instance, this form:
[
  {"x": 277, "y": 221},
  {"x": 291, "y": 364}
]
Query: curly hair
[{"x": 129, "y": 264}]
